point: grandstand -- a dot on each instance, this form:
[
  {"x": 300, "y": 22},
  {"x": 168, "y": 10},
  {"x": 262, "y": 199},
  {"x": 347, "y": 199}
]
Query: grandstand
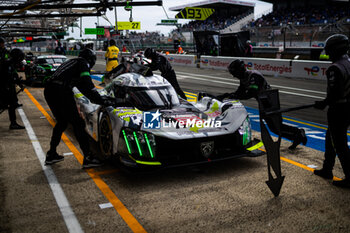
[
  {"x": 229, "y": 16},
  {"x": 300, "y": 23}
]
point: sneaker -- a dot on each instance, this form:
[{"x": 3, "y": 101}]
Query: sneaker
[
  {"x": 16, "y": 126},
  {"x": 52, "y": 158},
  {"x": 345, "y": 183},
  {"x": 300, "y": 138},
  {"x": 90, "y": 161},
  {"x": 324, "y": 174},
  {"x": 18, "y": 105},
  {"x": 303, "y": 137}
]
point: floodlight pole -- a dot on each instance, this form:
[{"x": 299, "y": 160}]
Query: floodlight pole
[{"x": 116, "y": 19}]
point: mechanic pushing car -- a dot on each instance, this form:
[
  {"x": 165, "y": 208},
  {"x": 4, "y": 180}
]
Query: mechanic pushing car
[
  {"x": 162, "y": 64},
  {"x": 59, "y": 96},
  {"x": 338, "y": 114},
  {"x": 251, "y": 84},
  {"x": 9, "y": 78}
]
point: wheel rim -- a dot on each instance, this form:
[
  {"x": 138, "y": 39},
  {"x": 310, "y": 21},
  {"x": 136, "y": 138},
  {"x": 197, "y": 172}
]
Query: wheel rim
[{"x": 106, "y": 138}]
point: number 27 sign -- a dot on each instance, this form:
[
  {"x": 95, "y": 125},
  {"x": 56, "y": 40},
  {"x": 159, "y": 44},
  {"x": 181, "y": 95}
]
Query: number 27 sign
[{"x": 129, "y": 25}]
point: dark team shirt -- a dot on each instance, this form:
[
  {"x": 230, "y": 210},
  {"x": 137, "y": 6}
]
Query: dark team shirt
[
  {"x": 8, "y": 73},
  {"x": 76, "y": 73},
  {"x": 161, "y": 63},
  {"x": 251, "y": 85},
  {"x": 4, "y": 54},
  {"x": 60, "y": 51},
  {"x": 338, "y": 78}
]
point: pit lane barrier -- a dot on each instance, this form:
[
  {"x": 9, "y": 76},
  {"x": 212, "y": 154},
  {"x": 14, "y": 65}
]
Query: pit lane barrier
[{"x": 290, "y": 68}]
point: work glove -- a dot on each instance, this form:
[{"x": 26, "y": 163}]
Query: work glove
[
  {"x": 201, "y": 95},
  {"x": 320, "y": 104},
  {"x": 223, "y": 96},
  {"x": 204, "y": 94},
  {"x": 108, "y": 101}
]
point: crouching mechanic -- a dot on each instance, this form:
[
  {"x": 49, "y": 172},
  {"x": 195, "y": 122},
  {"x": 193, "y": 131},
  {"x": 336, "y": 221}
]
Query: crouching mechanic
[
  {"x": 338, "y": 114},
  {"x": 60, "y": 98},
  {"x": 162, "y": 64},
  {"x": 251, "y": 84}
]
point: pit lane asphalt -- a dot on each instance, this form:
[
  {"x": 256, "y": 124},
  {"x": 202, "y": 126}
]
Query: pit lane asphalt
[{"x": 229, "y": 196}]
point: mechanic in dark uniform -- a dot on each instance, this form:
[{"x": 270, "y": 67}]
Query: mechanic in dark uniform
[
  {"x": 338, "y": 114},
  {"x": 9, "y": 77},
  {"x": 251, "y": 84},
  {"x": 4, "y": 54},
  {"x": 161, "y": 63},
  {"x": 3, "y": 57},
  {"x": 60, "y": 98}
]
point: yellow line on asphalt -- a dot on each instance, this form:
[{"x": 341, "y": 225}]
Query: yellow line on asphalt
[
  {"x": 134, "y": 225},
  {"x": 299, "y": 164},
  {"x": 106, "y": 172},
  {"x": 301, "y": 122}
]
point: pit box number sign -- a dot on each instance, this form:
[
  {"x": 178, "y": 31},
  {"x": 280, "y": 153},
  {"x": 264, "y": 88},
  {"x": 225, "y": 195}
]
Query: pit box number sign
[{"x": 129, "y": 26}]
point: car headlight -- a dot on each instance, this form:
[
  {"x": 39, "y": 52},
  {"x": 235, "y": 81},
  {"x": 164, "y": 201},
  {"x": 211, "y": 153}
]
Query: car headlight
[
  {"x": 140, "y": 144},
  {"x": 246, "y": 131}
]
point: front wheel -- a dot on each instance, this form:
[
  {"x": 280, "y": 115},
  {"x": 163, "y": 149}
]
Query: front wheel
[{"x": 105, "y": 136}]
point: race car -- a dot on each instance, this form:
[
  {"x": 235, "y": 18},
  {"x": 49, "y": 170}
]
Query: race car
[
  {"x": 150, "y": 126},
  {"x": 42, "y": 67}
]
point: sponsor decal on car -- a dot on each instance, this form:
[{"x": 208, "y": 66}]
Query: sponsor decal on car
[{"x": 153, "y": 120}]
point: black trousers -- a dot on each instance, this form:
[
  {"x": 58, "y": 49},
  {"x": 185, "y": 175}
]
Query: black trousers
[
  {"x": 287, "y": 131},
  {"x": 9, "y": 100},
  {"x": 62, "y": 104},
  {"x": 336, "y": 138},
  {"x": 173, "y": 81}
]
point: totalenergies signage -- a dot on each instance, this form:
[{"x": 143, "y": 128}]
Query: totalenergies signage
[
  {"x": 272, "y": 67},
  {"x": 315, "y": 70},
  {"x": 182, "y": 60}
]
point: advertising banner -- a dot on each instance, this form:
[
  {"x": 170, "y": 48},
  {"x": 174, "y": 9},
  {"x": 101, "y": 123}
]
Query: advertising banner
[
  {"x": 272, "y": 67},
  {"x": 182, "y": 60}
]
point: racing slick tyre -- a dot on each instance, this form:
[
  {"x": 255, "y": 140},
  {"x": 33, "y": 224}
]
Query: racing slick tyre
[{"x": 105, "y": 136}]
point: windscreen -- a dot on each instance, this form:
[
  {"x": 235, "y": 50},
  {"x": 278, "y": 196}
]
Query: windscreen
[
  {"x": 51, "y": 60},
  {"x": 59, "y": 60},
  {"x": 155, "y": 97}
]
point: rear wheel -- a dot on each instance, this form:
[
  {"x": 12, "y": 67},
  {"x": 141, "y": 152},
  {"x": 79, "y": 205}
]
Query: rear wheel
[{"x": 105, "y": 136}]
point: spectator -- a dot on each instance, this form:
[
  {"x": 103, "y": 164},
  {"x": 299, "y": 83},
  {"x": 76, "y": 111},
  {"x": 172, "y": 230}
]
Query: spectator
[
  {"x": 248, "y": 50},
  {"x": 60, "y": 50}
]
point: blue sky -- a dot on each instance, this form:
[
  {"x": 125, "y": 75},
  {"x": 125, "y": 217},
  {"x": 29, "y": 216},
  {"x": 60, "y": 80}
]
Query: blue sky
[{"x": 149, "y": 16}]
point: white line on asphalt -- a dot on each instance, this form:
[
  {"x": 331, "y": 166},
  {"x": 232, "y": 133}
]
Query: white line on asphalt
[
  {"x": 236, "y": 84},
  {"x": 236, "y": 81},
  {"x": 68, "y": 215}
]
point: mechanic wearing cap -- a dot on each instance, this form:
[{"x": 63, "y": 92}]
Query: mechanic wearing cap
[
  {"x": 111, "y": 56},
  {"x": 338, "y": 114},
  {"x": 161, "y": 63},
  {"x": 60, "y": 98},
  {"x": 9, "y": 77},
  {"x": 251, "y": 83}
]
